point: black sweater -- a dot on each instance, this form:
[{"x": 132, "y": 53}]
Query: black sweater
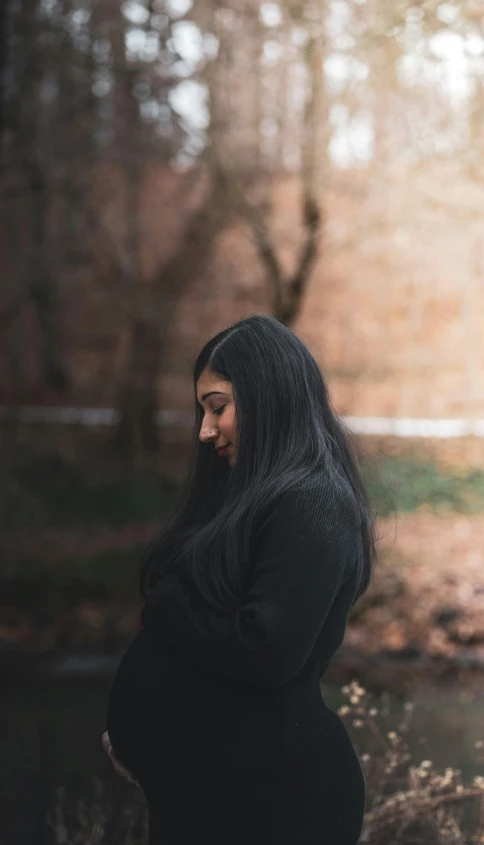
[{"x": 283, "y": 761}]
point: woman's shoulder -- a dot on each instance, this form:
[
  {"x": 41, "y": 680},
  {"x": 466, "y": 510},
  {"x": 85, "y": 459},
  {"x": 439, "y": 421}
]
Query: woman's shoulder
[
  {"x": 321, "y": 487},
  {"x": 312, "y": 517},
  {"x": 317, "y": 497}
]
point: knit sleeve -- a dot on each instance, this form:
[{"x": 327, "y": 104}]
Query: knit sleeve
[{"x": 304, "y": 555}]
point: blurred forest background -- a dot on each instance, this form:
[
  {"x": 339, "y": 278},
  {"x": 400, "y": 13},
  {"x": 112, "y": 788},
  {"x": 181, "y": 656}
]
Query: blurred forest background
[
  {"x": 168, "y": 167},
  {"x": 171, "y": 166}
]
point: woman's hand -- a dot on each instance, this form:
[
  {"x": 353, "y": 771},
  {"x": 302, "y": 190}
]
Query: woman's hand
[{"x": 117, "y": 765}]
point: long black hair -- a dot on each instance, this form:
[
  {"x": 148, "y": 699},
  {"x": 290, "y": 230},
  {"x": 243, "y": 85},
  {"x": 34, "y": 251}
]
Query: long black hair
[{"x": 286, "y": 430}]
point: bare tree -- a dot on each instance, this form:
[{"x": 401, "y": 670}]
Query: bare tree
[
  {"x": 26, "y": 168},
  {"x": 100, "y": 99}
]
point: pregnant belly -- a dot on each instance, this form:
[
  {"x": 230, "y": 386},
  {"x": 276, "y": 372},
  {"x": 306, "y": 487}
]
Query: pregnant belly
[
  {"x": 184, "y": 732},
  {"x": 163, "y": 709},
  {"x": 151, "y": 704}
]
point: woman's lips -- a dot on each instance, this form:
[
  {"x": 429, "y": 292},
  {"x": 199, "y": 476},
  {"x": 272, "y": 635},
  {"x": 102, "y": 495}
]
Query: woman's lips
[{"x": 222, "y": 450}]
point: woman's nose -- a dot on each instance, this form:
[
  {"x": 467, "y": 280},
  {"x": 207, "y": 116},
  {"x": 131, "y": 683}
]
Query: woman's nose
[{"x": 207, "y": 433}]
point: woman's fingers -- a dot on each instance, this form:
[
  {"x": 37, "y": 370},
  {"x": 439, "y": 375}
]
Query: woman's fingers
[
  {"x": 118, "y": 767},
  {"x": 106, "y": 742}
]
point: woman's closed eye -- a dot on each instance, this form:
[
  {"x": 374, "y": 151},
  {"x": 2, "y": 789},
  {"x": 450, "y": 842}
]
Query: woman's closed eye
[{"x": 219, "y": 410}]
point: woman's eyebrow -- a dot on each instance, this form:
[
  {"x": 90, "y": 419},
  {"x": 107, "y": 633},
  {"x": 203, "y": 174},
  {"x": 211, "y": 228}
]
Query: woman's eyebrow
[{"x": 221, "y": 392}]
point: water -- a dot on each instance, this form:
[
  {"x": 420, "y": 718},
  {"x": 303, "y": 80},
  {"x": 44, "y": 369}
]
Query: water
[
  {"x": 51, "y": 735},
  {"x": 52, "y": 721}
]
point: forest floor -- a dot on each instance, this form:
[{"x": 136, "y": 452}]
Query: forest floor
[{"x": 427, "y": 591}]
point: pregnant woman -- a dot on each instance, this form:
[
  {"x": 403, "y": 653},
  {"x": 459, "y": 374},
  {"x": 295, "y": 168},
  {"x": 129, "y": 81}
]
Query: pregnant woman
[{"x": 216, "y": 708}]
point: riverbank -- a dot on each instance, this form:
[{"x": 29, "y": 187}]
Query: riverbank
[
  {"x": 53, "y": 722},
  {"x": 69, "y": 585}
]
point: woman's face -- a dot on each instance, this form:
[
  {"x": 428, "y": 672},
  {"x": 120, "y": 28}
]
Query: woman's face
[{"x": 216, "y": 397}]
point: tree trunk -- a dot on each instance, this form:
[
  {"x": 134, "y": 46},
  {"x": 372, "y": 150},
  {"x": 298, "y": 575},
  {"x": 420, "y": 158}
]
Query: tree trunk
[
  {"x": 137, "y": 427},
  {"x": 31, "y": 158},
  {"x": 137, "y": 431}
]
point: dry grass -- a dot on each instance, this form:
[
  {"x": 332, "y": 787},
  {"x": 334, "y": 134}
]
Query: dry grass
[
  {"x": 407, "y": 803},
  {"x": 107, "y": 819}
]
